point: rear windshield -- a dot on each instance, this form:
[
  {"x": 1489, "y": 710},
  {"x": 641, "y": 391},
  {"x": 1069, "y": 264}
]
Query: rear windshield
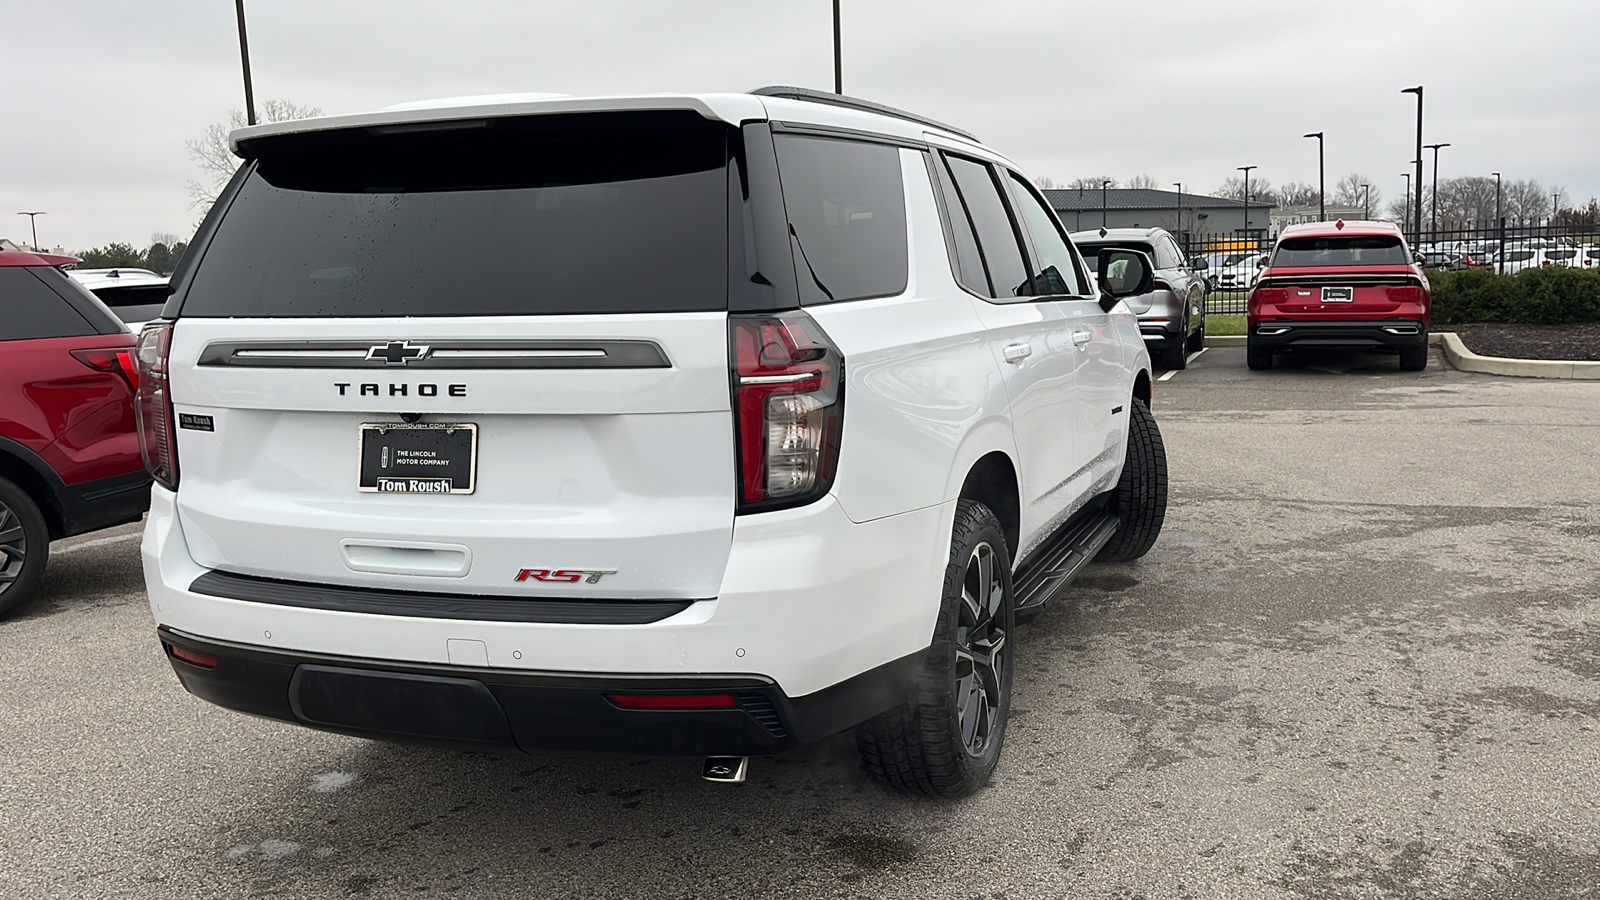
[
  {"x": 590, "y": 213},
  {"x": 1091, "y": 252},
  {"x": 1354, "y": 250}
]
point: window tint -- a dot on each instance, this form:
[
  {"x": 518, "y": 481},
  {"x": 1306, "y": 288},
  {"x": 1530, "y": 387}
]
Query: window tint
[
  {"x": 969, "y": 263},
  {"x": 996, "y": 238},
  {"x": 1355, "y": 250},
  {"x": 847, "y": 217},
  {"x": 30, "y": 309},
  {"x": 584, "y": 213},
  {"x": 1168, "y": 255},
  {"x": 1057, "y": 270}
]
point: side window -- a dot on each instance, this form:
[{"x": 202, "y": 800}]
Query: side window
[
  {"x": 30, "y": 309},
  {"x": 969, "y": 263},
  {"x": 1167, "y": 255},
  {"x": 997, "y": 239},
  {"x": 1058, "y": 271},
  {"x": 847, "y": 217}
]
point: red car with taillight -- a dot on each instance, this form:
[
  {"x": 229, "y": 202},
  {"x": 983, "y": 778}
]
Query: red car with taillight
[
  {"x": 1340, "y": 285},
  {"x": 69, "y": 452}
]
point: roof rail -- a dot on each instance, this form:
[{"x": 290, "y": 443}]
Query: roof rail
[{"x": 814, "y": 96}]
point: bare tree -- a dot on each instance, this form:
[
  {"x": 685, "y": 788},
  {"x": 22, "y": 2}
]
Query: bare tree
[
  {"x": 1296, "y": 193},
  {"x": 217, "y": 162},
  {"x": 1045, "y": 183},
  {"x": 1144, "y": 182},
  {"x": 1091, "y": 183},
  {"x": 1349, "y": 192},
  {"x": 1261, "y": 192},
  {"x": 1399, "y": 211}
]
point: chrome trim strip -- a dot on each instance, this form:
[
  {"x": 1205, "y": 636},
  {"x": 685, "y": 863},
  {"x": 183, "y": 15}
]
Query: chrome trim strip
[
  {"x": 776, "y": 379},
  {"x": 498, "y": 354}
]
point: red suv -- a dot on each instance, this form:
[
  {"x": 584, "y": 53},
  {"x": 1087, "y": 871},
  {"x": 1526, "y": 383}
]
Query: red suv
[
  {"x": 69, "y": 453},
  {"x": 1352, "y": 285}
]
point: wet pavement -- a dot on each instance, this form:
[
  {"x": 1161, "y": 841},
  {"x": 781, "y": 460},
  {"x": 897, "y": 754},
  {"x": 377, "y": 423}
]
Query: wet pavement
[{"x": 1361, "y": 662}]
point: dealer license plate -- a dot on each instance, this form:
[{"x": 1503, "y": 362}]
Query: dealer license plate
[
  {"x": 1336, "y": 295},
  {"x": 418, "y": 459}
]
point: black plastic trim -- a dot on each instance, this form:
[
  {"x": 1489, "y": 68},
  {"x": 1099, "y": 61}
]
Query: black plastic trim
[
  {"x": 762, "y": 272},
  {"x": 473, "y": 607},
  {"x": 618, "y": 354},
  {"x": 848, "y": 102},
  {"x": 515, "y": 710},
  {"x": 104, "y": 502},
  {"x": 1337, "y": 335}
]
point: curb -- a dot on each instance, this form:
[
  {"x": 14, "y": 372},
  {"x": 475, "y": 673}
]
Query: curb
[{"x": 1467, "y": 361}]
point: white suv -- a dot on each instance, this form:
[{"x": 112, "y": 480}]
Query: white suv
[{"x": 684, "y": 425}]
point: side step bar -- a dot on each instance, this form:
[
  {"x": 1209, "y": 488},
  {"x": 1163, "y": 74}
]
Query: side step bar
[{"x": 1052, "y": 567}]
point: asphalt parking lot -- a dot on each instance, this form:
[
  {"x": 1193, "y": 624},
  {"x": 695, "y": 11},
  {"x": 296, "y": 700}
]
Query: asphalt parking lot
[{"x": 1362, "y": 661}]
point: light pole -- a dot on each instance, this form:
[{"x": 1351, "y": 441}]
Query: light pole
[
  {"x": 244, "y": 57},
  {"x": 1433, "y": 220},
  {"x": 33, "y": 223},
  {"x": 1417, "y": 220},
  {"x": 1322, "y": 182},
  {"x": 1179, "y": 186},
  {"x": 838, "y": 58},
  {"x": 1246, "y": 171},
  {"x": 1408, "y": 201},
  {"x": 1366, "y": 202},
  {"x": 1103, "y": 186},
  {"x": 1500, "y": 225}
]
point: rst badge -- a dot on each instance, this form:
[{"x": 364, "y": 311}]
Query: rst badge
[{"x": 564, "y": 576}]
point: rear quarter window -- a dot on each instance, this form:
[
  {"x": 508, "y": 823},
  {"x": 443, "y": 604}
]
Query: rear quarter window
[
  {"x": 583, "y": 213},
  {"x": 847, "y": 214},
  {"x": 30, "y": 309}
]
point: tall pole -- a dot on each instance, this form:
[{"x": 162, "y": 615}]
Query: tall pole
[
  {"x": 1433, "y": 222},
  {"x": 1499, "y": 223},
  {"x": 1408, "y": 199},
  {"x": 838, "y": 56},
  {"x": 1179, "y": 186},
  {"x": 244, "y": 57},
  {"x": 33, "y": 222},
  {"x": 1366, "y": 202},
  {"x": 1246, "y": 171},
  {"x": 1322, "y": 181},
  {"x": 1103, "y": 186},
  {"x": 1417, "y": 221}
]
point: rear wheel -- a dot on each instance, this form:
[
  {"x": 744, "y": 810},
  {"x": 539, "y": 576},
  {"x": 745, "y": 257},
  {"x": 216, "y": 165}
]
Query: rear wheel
[
  {"x": 24, "y": 546},
  {"x": 945, "y": 739},
  {"x": 1140, "y": 499},
  {"x": 1257, "y": 357},
  {"x": 1415, "y": 359}
]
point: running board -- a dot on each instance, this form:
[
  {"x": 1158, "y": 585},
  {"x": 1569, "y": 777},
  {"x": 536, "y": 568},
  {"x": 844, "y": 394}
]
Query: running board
[{"x": 1052, "y": 567}]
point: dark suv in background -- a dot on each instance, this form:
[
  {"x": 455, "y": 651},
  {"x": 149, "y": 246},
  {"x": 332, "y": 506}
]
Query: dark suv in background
[
  {"x": 1172, "y": 316},
  {"x": 69, "y": 455}
]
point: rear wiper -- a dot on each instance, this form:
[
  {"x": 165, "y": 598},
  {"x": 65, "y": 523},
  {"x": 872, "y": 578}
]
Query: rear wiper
[{"x": 815, "y": 280}]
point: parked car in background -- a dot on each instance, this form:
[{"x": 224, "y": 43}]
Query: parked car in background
[
  {"x": 1518, "y": 259},
  {"x": 1591, "y": 256},
  {"x": 1340, "y": 285},
  {"x": 1241, "y": 271},
  {"x": 69, "y": 452},
  {"x": 135, "y": 295},
  {"x": 1172, "y": 316}
]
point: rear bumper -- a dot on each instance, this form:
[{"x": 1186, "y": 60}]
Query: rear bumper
[
  {"x": 481, "y": 708},
  {"x": 812, "y": 606},
  {"x": 1383, "y": 334}
]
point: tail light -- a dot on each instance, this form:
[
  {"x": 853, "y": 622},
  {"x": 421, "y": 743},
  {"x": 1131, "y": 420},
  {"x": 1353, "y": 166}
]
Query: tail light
[
  {"x": 117, "y": 361},
  {"x": 153, "y": 408},
  {"x": 788, "y": 408}
]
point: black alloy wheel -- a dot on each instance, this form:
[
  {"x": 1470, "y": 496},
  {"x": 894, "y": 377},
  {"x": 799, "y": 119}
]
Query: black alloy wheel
[
  {"x": 24, "y": 545},
  {"x": 982, "y": 652}
]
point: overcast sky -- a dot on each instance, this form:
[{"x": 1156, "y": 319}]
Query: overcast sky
[{"x": 100, "y": 96}]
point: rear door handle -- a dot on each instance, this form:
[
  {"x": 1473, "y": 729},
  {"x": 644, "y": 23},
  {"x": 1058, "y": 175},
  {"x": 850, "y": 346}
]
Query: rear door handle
[
  {"x": 1080, "y": 338},
  {"x": 1016, "y": 353}
]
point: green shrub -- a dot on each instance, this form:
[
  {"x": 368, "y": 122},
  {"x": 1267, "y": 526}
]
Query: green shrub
[{"x": 1552, "y": 295}]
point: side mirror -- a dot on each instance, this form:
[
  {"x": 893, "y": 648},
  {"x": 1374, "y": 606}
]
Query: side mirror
[
  {"x": 1261, "y": 263},
  {"x": 1123, "y": 273},
  {"x": 1419, "y": 259},
  {"x": 1200, "y": 262}
]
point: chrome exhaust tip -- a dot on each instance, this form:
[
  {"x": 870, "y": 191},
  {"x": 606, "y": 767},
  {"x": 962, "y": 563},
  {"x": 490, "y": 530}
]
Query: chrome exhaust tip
[{"x": 725, "y": 769}]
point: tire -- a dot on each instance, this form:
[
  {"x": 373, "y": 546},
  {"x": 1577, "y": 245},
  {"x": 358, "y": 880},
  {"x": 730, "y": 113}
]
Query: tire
[
  {"x": 1140, "y": 499},
  {"x": 1197, "y": 341},
  {"x": 945, "y": 739},
  {"x": 1173, "y": 358},
  {"x": 1415, "y": 359},
  {"x": 24, "y": 546},
  {"x": 1256, "y": 357}
]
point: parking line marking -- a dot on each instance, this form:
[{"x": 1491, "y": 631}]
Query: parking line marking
[{"x": 1186, "y": 361}]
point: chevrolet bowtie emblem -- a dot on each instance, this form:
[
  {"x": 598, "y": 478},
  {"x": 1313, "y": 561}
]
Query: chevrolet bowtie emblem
[{"x": 398, "y": 353}]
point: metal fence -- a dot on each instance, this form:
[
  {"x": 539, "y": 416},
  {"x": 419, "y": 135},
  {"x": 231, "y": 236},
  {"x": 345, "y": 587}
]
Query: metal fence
[{"x": 1232, "y": 261}]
